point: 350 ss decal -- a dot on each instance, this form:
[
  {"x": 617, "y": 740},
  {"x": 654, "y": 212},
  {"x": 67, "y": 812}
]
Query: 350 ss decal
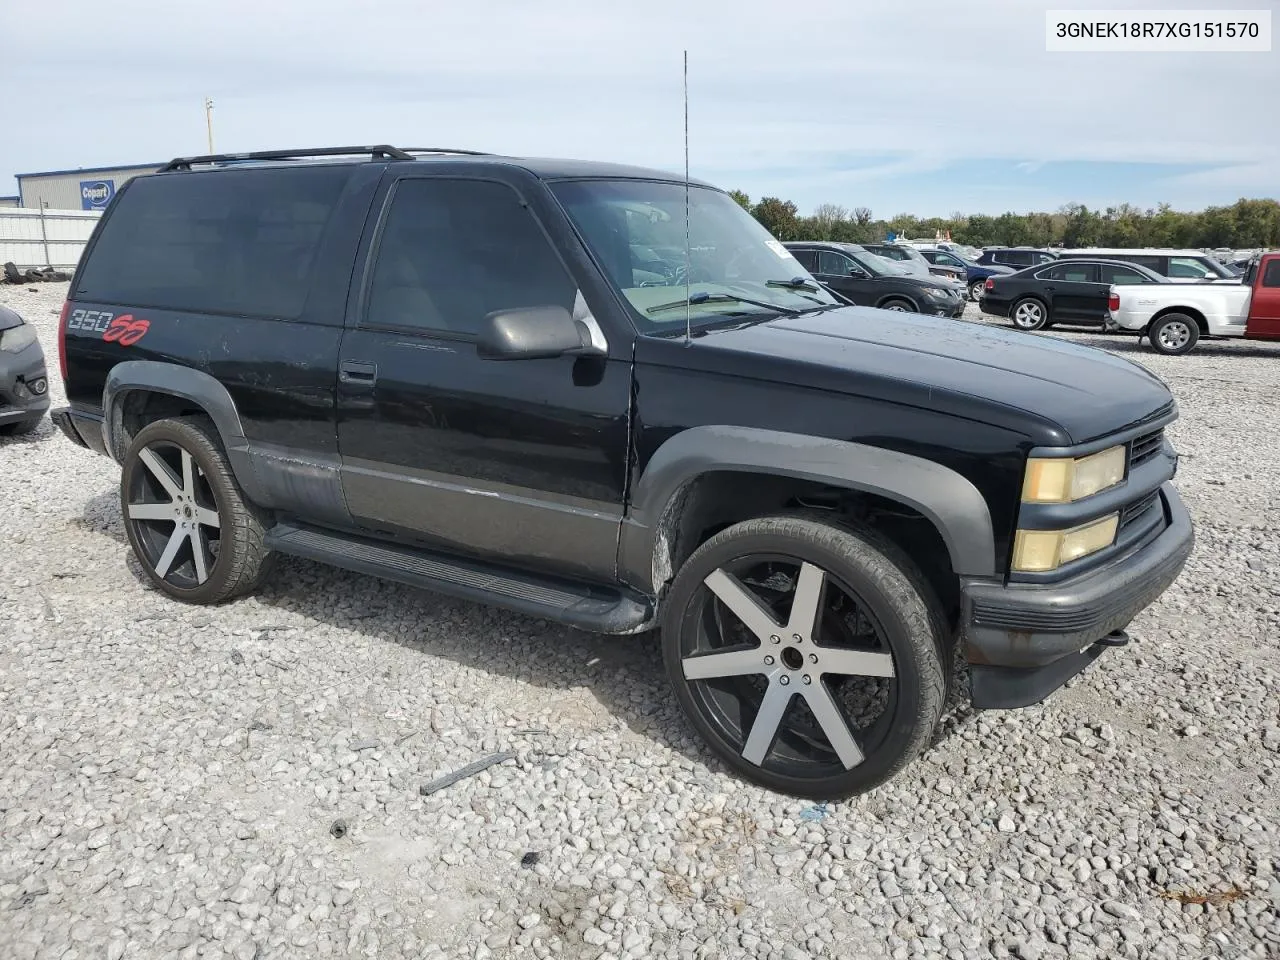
[{"x": 123, "y": 329}]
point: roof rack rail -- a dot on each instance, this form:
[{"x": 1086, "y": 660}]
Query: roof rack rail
[
  {"x": 379, "y": 152},
  {"x": 465, "y": 153}
]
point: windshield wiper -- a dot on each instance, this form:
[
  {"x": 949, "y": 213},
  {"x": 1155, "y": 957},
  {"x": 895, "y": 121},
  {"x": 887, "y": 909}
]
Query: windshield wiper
[
  {"x": 795, "y": 283},
  {"x": 701, "y": 298}
]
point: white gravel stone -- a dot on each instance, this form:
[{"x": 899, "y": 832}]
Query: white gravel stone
[{"x": 169, "y": 775}]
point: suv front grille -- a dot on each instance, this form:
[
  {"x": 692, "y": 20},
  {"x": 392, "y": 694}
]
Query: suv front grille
[
  {"x": 1135, "y": 510},
  {"x": 1143, "y": 448}
]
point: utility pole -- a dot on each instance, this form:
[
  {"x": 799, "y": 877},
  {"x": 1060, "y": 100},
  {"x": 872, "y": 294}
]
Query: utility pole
[{"x": 208, "y": 121}]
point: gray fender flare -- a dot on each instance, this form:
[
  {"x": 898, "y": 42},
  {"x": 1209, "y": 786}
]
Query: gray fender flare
[
  {"x": 194, "y": 385},
  {"x": 951, "y": 502}
]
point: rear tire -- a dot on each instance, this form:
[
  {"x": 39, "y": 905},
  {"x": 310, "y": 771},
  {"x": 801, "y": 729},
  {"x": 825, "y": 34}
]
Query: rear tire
[
  {"x": 977, "y": 289},
  {"x": 809, "y": 657},
  {"x": 195, "y": 534},
  {"x": 1174, "y": 334}
]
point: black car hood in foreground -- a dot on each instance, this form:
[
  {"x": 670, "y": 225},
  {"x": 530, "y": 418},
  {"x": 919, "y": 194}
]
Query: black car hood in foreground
[{"x": 1073, "y": 394}]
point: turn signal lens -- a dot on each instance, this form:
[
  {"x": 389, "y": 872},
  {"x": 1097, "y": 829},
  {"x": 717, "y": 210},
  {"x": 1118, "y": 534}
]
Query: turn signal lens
[
  {"x": 1065, "y": 481},
  {"x": 1040, "y": 551}
]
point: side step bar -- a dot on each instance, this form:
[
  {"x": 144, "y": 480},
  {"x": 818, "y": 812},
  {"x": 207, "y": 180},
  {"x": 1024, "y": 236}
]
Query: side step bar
[{"x": 597, "y": 609}]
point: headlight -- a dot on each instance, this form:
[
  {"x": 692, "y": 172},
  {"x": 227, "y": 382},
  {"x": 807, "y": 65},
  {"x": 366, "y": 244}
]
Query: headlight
[
  {"x": 1067, "y": 480},
  {"x": 935, "y": 294},
  {"x": 1039, "y": 551},
  {"x": 17, "y": 338}
]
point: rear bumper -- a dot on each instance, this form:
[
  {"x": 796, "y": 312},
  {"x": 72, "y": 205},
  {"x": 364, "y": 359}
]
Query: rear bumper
[
  {"x": 1037, "y": 630},
  {"x": 82, "y": 429},
  {"x": 997, "y": 308}
]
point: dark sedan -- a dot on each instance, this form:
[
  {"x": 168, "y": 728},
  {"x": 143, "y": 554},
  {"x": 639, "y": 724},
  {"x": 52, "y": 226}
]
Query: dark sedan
[
  {"x": 871, "y": 281},
  {"x": 1067, "y": 291}
]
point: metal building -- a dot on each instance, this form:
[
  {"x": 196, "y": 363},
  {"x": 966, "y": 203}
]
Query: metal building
[
  {"x": 89, "y": 188},
  {"x": 10, "y": 201}
]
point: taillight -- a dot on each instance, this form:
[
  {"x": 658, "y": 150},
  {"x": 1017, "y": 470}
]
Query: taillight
[
  {"x": 62, "y": 341},
  {"x": 1113, "y": 302},
  {"x": 990, "y": 284}
]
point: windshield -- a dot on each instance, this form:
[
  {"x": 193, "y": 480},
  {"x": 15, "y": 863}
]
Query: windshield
[{"x": 636, "y": 231}]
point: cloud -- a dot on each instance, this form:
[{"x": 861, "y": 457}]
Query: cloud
[{"x": 834, "y": 101}]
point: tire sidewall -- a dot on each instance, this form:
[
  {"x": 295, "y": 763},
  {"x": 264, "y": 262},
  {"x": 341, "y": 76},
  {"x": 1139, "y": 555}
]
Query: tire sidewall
[
  {"x": 195, "y": 443},
  {"x": 976, "y": 290},
  {"x": 913, "y": 661}
]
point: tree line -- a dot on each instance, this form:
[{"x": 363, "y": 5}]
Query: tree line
[{"x": 1243, "y": 225}]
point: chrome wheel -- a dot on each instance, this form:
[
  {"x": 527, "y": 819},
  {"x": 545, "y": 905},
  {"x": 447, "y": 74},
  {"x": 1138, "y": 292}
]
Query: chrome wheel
[
  {"x": 976, "y": 290},
  {"x": 174, "y": 515},
  {"x": 1029, "y": 315},
  {"x": 789, "y": 666},
  {"x": 898, "y": 307},
  {"x": 1174, "y": 336}
]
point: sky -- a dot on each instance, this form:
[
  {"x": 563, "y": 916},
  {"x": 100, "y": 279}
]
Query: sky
[{"x": 916, "y": 106}]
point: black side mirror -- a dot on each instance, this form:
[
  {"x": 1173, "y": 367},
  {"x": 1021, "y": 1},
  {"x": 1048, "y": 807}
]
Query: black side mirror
[
  {"x": 531, "y": 333},
  {"x": 858, "y": 273}
]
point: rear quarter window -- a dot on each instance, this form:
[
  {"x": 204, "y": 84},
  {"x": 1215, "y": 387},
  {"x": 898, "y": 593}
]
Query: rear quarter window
[{"x": 239, "y": 242}]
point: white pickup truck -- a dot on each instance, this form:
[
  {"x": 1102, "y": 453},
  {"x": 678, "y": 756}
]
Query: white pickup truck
[{"x": 1175, "y": 316}]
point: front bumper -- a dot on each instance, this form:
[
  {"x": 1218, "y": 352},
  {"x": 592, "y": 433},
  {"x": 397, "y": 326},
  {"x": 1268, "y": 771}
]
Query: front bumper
[
  {"x": 945, "y": 308},
  {"x": 24, "y": 385},
  {"x": 1030, "y": 632}
]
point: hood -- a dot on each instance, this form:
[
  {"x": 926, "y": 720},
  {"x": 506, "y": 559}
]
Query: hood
[
  {"x": 9, "y": 318},
  {"x": 1056, "y": 392}
]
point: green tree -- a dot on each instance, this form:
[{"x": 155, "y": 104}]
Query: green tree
[
  {"x": 741, "y": 199},
  {"x": 778, "y": 217}
]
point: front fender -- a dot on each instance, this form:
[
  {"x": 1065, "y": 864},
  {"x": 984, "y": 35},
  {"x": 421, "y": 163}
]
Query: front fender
[{"x": 950, "y": 502}]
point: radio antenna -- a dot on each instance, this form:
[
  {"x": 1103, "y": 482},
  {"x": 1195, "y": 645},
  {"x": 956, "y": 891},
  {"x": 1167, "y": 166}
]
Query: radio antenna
[{"x": 688, "y": 307}]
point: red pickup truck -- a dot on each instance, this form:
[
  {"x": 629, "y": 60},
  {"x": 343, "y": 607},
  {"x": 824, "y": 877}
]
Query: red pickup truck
[{"x": 1175, "y": 316}]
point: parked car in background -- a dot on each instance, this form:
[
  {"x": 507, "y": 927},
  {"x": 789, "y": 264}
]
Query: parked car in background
[
  {"x": 976, "y": 274},
  {"x": 1072, "y": 291},
  {"x": 1181, "y": 266},
  {"x": 1175, "y": 317},
  {"x": 866, "y": 279},
  {"x": 1017, "y": 257},
  {"x": 24, "y": 384},
  {"x": 915, "y": 261}
]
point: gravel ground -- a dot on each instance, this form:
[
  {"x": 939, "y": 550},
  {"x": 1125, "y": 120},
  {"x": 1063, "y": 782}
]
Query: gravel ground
[{"x": 244, "y": 781}]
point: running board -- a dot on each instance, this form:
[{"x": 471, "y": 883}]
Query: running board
[{"x": 598, "y": 609}]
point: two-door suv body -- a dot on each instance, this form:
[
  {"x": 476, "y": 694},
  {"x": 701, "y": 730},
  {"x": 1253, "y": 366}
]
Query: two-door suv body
[{"x": 530, "y": 383}]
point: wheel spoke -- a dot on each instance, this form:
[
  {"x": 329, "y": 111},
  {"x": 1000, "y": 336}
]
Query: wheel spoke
[
  {"x": 834, "y": 725},
  {"x": 208, "y": 517},
  {"x": 744, "y": 605},
  {"x": 151, "y": 511},
  {"x": 734, "y": 663},
  {"x": 199, "y": 552},
  {"x": 188, "y": 475},
  {"x": 768, "y": 718},
  {"x": 855, "y": 663},
  {"x": 176, "y": 539},
  {"x": 807, "y": 600},
  {"x": 160, "y": 470}
]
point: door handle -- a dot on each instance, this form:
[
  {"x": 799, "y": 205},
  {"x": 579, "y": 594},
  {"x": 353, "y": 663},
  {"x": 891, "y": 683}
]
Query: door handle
[{"x": 358, "y": 372}]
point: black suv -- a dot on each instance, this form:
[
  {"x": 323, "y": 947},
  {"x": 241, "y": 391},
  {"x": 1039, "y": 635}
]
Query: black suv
[
  {"x": 514, "y": 381},
  {"x": 1016, "y": 257},
  {"x": 872, "y": 281}
]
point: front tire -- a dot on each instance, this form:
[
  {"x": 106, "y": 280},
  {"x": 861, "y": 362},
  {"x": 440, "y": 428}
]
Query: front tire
[
  {"x": 809, "y": 657},
  {"x": 1029, "y": 314},
  {"x": 898, "y": 306},
  {"x": 191, "y": 527},
  {"x": 1174, "y": 334}
]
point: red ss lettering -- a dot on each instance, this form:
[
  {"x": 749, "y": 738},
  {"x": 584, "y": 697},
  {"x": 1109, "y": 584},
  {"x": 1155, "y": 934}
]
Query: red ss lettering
[{"x": 125, "y": 330}]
